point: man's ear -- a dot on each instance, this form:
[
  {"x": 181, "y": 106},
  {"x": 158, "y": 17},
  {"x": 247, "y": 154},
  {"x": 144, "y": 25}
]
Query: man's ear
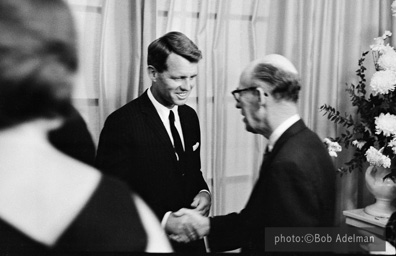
[
  {"x": 152, "y": 72},
  {"x": 263, "y": 96}
]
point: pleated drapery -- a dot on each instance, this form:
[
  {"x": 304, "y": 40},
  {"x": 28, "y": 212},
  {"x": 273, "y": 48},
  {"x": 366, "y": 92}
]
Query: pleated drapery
[{"x": 323, "y": 38}]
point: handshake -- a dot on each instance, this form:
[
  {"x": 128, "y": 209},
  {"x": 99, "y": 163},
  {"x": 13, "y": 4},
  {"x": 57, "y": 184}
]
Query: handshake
[{"x": 187, "y": 225}]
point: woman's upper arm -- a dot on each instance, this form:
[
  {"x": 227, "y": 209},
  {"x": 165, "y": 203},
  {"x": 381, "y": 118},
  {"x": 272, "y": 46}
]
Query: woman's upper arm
[{"x": 156, "y": 238}]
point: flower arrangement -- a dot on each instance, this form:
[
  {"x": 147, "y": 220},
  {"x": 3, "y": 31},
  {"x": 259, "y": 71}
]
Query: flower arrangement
[{"x": 373, "y": 131}]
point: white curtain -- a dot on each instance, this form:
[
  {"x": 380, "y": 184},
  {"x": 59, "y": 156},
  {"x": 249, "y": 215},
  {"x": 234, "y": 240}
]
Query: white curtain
[
  {"x": 114, "y": 35},
  {"x": 324, "y": 38}
]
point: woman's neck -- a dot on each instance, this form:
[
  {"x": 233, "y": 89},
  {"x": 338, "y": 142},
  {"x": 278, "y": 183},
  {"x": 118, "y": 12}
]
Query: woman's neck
[{"x": 29, "y": 133}]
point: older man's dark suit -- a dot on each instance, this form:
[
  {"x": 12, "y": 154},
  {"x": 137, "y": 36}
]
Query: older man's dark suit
[
  {"x": 296, "y": 188},
  {"x": 135, "y": 147}
]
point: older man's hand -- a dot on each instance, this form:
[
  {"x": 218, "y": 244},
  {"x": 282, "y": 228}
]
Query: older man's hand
[{"x": 191, "y": 226}]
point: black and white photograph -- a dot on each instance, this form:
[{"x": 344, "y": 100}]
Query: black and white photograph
[{"x": 197, "y": 127}]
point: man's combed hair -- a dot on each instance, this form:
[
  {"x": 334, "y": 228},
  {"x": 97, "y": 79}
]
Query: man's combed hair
[
  {"x": 285, "y": 85},
  {"x": 172, "y": 42},
  {"x": 38, "y": 59}
]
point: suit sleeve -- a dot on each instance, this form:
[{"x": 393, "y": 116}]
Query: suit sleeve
[
  {"x": 112, "y": 151},
  {"x": 114, "y": 158},
  {"x": 227, "y": 232}
]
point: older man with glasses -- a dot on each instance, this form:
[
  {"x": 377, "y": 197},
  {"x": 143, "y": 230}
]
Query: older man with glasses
[{"x": 296, "y": 186}]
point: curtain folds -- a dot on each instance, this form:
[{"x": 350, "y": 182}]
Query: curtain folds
[
  {"x": 129, "y": 26},
  {"x": 324, "y": 38}
]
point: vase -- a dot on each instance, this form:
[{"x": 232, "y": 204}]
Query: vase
[{"x": 384, "y": 191}]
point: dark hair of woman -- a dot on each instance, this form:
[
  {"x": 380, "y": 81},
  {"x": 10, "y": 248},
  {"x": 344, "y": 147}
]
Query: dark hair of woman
[
  {"x": 49, "y": 201},
  {"x": 38, "y": 58}
]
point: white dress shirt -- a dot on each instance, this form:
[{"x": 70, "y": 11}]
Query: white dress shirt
[
  {"x": 163, "y": 112},
  {"x": 277, "y": 133}
]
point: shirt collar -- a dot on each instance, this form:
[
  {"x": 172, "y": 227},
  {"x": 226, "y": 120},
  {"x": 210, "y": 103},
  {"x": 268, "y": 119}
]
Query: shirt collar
[
  {"x": 163, "y": 111},
  {"x": 275, "y": 135}
]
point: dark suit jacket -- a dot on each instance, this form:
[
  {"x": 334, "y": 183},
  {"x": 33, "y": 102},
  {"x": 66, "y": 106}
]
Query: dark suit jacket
[
  {"x": 135, "y": 147},
  {"x": 296, "y": 188}
]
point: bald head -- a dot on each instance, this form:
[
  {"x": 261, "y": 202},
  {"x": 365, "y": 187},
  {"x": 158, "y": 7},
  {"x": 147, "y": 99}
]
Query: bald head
[
  {"x": 278, "y": 73},
  {"x": 275, "y": 60},
  {"x": 279, "y": 62}
]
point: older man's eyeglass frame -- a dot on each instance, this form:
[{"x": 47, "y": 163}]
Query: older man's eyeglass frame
[{"x": 237, "y": 93}]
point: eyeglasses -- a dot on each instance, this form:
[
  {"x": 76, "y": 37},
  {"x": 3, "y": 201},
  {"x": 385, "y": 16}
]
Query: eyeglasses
[{"x": 237, "y": 93}]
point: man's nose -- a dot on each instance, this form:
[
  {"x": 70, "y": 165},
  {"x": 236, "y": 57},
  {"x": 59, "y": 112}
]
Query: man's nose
[{"x": 187, "y": 84}]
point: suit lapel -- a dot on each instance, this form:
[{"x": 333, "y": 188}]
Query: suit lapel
[
  {"x": 154, "y": 122},
  {"x": 293, "y": 130},
  {"x": 185, "y": 124}
]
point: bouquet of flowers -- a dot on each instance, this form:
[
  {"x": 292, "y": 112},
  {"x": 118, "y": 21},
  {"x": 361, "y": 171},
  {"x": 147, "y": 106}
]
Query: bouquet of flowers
[{"x": 373, "y": 131}]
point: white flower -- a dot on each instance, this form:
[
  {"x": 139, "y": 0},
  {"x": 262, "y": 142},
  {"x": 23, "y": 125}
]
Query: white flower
[
  {"x": 379, "y": 44},
  {"x": 387, "y": 60},
  {"x": 392, "y": 144},
  {"x": 386, "y": 34},
  {"x": 393, "y": 7},
  {"x": 333, "y": 147},
  {"x": 383, "y": 82},
  {"x": 375, "y": 157},
  {"x": 385, "y": 123},
  {"x": 332, "y": 153},
  {"x": 358, "y": 144}
]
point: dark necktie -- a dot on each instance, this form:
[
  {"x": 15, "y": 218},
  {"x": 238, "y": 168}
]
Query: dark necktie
[
  {"x": 267, "y": 152},
  {"x": 177, "y": 144}
]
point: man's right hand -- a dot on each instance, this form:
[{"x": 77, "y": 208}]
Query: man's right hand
[{"x": 187, "y": 225}]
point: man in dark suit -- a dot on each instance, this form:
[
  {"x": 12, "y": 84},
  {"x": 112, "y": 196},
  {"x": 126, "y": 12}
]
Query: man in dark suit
[
  {"x": 153, "y": 142},
  {"x": 296, "y": 185}
]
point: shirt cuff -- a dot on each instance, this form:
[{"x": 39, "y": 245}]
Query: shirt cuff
[
  {"x": 166, "y": 216},
  {"x": 207, "y": 191},
  {"x": 165, "y": 219}
]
